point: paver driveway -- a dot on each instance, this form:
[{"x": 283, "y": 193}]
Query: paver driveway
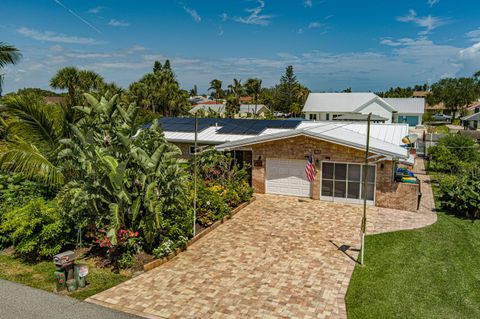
[{"x": 277, "y": 258}]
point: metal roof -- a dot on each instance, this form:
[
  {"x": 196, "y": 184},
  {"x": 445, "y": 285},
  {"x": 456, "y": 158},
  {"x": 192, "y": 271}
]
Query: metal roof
[
  {"x": 472, "y": 117},
  {"x": 385, "y": 138},
  {"x": 328, "y": 131},
  {"x": 354, "y": 102},
  {"x": 358, "y": 117},
  {"x": 220, "y": 108},
  {"x": 407, "y": 105},
  {"x": 336, "y": 102}
]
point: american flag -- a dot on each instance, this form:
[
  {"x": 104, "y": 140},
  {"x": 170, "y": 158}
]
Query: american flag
[{"x": 310, "y": 169}]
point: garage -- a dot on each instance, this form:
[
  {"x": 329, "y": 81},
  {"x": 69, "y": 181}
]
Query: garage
[{"x": 286, "y": 177}]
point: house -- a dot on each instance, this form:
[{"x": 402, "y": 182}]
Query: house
[
  {"x": 329, "y": 106},
  {"x": 51, "y": 100},
  {"x": 277, "y": 152},
  {"x": 471, "y": 121},
  {"x": 246, "y": 110},
  {"x": 408, "y": 110}
]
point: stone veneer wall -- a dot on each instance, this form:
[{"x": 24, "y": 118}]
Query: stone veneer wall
[{"x": 388, "y": 193}]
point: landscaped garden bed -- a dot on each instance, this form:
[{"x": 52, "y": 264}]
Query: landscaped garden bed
[{"x": 90, "y": 177}]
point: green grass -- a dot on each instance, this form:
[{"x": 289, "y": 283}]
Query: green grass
[
  {"x": 40, "y": 275},
  {"x": 432, "y": 272}
]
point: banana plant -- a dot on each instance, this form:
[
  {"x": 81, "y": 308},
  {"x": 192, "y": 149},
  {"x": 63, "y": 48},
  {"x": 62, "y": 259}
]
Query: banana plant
[{"x": 133, "y": 174}]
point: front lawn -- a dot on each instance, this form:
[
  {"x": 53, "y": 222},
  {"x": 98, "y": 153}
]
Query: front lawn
[
  {"x": 432, "y": 272},
  {"x": 40, "y": 275}
]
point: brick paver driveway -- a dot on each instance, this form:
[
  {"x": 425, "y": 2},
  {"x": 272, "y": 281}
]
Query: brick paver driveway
[{"x": 280, "y": 257}]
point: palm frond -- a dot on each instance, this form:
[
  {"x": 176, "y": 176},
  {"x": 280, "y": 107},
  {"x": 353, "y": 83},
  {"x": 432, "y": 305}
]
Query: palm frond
[
  {"x": 27, "y": 159},
  {"x": 8, "y": 54}
]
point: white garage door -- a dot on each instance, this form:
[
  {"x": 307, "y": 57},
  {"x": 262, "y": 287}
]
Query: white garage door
[{"x": 287, "y": 177}]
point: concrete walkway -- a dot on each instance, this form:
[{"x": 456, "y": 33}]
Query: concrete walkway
[
  {"x": 280, "y": 257},
  {"x": 22, "y": 302}
]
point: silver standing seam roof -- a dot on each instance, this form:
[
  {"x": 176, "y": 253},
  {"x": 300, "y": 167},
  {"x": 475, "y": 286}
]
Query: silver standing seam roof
[
  {"x": 347, "y": 134},
  {"x": 414, "y": 105}
]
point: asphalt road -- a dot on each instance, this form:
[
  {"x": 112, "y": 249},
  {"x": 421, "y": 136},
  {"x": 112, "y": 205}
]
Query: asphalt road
[{"x": 22, "y": 302}]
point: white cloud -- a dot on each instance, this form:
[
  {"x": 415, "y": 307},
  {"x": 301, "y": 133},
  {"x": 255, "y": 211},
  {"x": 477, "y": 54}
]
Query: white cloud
[
  {"x": 224, "y": 17},
  {"x": 428, "y": 22},
  {"x": 135, "y": 48},
  {"x": 96, "y": 10},
  {"x": 256, "y": 17},
  {"x": 308, "y": 3},
  {"x": 300, "y": 31},
  {"x": 118, "y": 23},
  {"x": 431, "y": 3},
  {"x": 315, "y": 25},
  {"x": 55, "y": 37},
  {"x": 193, "y": 13},
  {"x": 474, "y": 35}
]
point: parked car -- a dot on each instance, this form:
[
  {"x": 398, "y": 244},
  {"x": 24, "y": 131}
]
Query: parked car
[{"x": 442, "y": 117}]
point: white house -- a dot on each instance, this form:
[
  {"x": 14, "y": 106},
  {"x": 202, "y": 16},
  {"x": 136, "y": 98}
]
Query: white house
[{"x": 329, "y": 106}]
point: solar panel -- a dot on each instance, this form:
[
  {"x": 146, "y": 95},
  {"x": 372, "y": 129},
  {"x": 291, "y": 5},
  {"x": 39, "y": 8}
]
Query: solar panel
[{"x": 227, "y": 126}]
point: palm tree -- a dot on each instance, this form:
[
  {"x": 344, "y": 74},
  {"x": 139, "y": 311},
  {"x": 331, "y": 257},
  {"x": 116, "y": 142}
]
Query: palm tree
[
  {"x": 8, "y": 55},
  {"x": 67, "y": 78},
  {"x": 216, "y": 86},
  {"x": 232, "y": 106},
  {"x": 254, "y": 88},
  {"x": 236, "y": 88},
  {"x": 76, "y": 82}
]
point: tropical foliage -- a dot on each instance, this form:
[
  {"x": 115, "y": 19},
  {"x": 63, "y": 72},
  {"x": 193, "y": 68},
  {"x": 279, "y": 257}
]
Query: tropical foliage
[
  {"x": 37, "y": 229},
  {"x": 124, "y": 178},
  {"x": 223, "y": 185},
  {"x": 33, "y": 131},
  {"x": 456, "y": 158}
]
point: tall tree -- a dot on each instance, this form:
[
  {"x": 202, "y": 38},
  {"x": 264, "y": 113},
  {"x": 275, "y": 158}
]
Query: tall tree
[
  {"x": 76, "y": 82},
  {"x": 194, "y": 91},
  {"x": 159, "y": 91},
  {"x": 254, "y": 89},
  {"x": 236, "y": 88},
  {"x": 455, "y": 93},
  {"x": 232, "y": 106},
  {"x": 8, "y": 55},
  {"x": 216, "y": 87},
  {"x": 288, "y": 82}
]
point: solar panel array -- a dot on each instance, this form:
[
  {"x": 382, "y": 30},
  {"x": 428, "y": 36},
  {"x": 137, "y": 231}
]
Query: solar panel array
[{"x": 227, "y": 126}]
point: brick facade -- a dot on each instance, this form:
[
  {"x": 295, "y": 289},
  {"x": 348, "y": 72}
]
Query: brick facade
[{"x": 388, "y": 193}]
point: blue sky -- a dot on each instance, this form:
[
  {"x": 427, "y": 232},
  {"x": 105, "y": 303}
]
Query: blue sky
[{"x": 332, "y": 44}]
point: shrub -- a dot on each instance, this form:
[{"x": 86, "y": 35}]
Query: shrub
[
  {"x": 453, "y": 152},
  {"x": 37, "y": 230},
  {"x": 120, "y": 246},
  {"x": 169, "y": 246},
  {"x": 15, "y": 192},
  {"x": 211, "y": 204},
  {"x": 461, "y": 193}
]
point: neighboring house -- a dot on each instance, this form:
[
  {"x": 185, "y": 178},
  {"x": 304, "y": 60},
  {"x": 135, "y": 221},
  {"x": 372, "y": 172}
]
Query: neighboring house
[
  {"x": 471, "y": 121},
  {"x": 277, "y": 152},
  {"x": 246, "y": 110},
  {"x": 408, "y": 110},
  {"x": 55, "y": 99},
  {"x": 198, "y": 99},
  {"x": 329, "y": 106}
]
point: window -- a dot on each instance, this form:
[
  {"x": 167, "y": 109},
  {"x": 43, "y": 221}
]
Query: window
[
  {"x": 313, "y": 117},
  {"x": 191, "y": 150},
  {"x": 328, "y": 116},
  {"x": 341, "y": 181}
]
